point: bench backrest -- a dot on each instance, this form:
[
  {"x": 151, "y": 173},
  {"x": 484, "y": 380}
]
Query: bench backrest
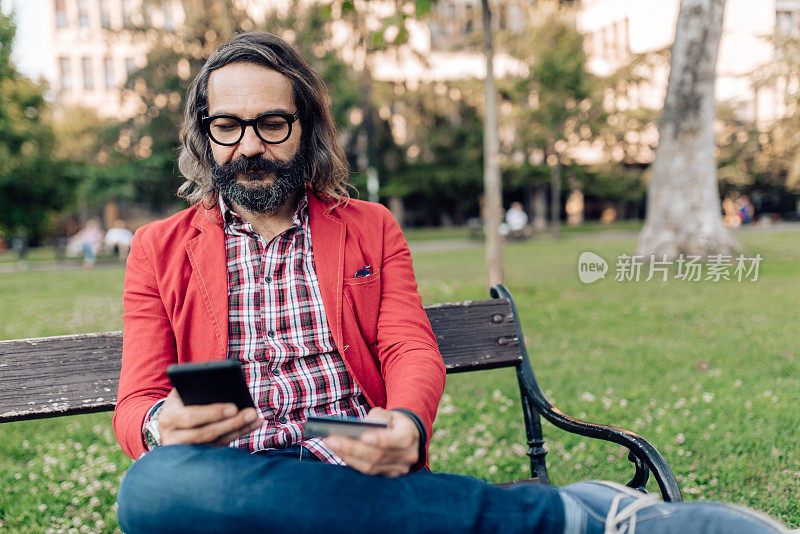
[
  {"x": 47, "y": 377},
  {"x": 62, "y": 375}
]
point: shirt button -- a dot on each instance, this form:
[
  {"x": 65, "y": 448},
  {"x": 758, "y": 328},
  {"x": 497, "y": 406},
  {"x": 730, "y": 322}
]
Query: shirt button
[
  {"x": 276, "y": 372},
  {"x": 268, "y": 279},
  {"x": 271, "y": 333},
  {"x": 282, "y": 420}
]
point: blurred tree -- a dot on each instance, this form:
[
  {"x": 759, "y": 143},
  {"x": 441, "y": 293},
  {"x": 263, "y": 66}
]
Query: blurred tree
[
  {"x": 439, "y": 175},
  {"x": 553, "y": 103},
  {"x": 778, "y": 160},
  {"x": 32, "y": 184},
  {"x": 683, "y": 206},
  {"x": 492, "y": 184},
  {"x": 138, "y": 156}
]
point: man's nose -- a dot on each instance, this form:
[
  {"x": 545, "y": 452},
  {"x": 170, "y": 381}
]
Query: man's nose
[{"x": 251, "y": 145}]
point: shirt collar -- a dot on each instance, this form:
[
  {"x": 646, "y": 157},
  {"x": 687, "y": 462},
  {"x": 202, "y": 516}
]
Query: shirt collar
[{"x": 234, "y": 222}]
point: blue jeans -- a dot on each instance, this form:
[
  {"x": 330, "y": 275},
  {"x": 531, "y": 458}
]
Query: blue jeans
[{"x": 192, "y": 488}]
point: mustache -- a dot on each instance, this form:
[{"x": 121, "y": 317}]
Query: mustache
[{"x": 250, "y": 166}]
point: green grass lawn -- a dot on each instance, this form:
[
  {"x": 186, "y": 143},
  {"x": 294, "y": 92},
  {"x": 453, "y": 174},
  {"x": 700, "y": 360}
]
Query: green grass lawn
[{"x": 706, "y": 371}]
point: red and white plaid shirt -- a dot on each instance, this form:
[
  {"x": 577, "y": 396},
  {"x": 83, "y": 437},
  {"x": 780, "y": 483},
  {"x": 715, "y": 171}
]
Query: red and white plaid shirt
[{"x": 277, "y": 327}]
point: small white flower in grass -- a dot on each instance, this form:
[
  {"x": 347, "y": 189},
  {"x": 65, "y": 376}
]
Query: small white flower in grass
[
  {"x": 480, "y": 452},
  {"x": 737, "y": 383},
  {"x": 680, "y": 439},
  {"x": 708, "y": 397},
  {"x": 587, "y": 397},
  {"x": 748, "y": 405},
  {"x": 492, "y": 469},
  {"x": 17, "y": 476},
  {"x": 85, "y": 529},
  {"x": 42, "y": 507}
]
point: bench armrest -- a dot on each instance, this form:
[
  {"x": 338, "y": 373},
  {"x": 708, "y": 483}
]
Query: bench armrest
[{"x": 642, "y": 453}]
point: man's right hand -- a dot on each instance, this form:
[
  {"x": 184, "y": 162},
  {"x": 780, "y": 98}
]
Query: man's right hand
[{"x": 210, "y": 424}]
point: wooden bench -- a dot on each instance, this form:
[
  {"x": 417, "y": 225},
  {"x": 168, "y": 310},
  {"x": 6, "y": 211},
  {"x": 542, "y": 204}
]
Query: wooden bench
[{"x": 79, "y": 373}]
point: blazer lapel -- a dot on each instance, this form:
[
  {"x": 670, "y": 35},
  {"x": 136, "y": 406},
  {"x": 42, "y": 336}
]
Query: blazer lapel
[
  {"x": 206, "y": 254},
  {"x": 327, "y": 239}
]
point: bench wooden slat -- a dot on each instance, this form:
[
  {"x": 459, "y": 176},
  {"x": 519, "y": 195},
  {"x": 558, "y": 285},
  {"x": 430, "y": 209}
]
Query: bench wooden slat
[
  {"x": 478, "y": 334},
  {"x": 62, "y": 375}
]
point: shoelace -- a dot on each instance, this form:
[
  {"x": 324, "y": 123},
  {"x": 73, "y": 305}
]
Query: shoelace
[{"x": 615, "y": 518}]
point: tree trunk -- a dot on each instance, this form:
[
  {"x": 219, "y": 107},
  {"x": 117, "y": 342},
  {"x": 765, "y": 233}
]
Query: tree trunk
[
  {"x": 493, "y": 192},
  {"x": 539, "y": 209},
  {"x": 683, "y": 205},
  {"x": 555, "y": 199}
]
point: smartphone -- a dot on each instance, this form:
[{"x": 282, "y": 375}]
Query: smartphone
[
  {"x": 322, "y": 426},
  {"x": 211, "y": 382}
]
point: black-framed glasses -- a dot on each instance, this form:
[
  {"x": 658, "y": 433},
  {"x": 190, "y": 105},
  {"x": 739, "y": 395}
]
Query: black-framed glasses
[{"x": 227, "y": 130}]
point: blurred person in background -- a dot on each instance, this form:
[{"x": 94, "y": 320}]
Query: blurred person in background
[
  {"x": 91, "y": 239},
  {"x": 118, "y": 239},
  {"x": 517, "y": 221}
]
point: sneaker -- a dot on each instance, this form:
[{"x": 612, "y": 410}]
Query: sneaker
[{"x": 609, "y": 508}]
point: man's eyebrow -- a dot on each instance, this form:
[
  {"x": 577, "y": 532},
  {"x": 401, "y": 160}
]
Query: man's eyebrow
[{"x": 281, "y": 111}]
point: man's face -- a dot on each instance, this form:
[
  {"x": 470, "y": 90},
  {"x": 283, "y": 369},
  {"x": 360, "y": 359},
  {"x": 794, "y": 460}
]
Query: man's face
[{"x": 257, "y": 176}]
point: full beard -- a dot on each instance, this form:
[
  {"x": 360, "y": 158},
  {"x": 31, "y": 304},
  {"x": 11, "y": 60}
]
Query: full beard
[{"x": 241, "y": 181}]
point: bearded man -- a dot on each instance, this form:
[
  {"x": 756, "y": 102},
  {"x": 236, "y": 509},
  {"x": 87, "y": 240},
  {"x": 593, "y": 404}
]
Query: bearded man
[{"x": 275, "y": 266}]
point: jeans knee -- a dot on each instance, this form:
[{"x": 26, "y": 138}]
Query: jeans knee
[{"x": 145, "y": 487}]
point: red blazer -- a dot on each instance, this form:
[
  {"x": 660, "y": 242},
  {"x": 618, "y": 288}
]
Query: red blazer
[{"x": 176, "y": 309}]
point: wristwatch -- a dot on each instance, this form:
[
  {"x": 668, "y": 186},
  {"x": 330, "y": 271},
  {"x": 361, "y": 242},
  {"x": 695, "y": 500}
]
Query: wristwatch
[{"x": 152, "y": 438}]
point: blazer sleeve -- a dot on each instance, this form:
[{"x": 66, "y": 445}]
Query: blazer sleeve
[
  {"x": 148, "y": 346},
  {"x": 411, "y": 365}
]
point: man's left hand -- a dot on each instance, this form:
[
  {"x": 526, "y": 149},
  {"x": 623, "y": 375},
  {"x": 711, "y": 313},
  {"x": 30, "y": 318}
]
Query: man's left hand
[{"x": 389, "y": 452}]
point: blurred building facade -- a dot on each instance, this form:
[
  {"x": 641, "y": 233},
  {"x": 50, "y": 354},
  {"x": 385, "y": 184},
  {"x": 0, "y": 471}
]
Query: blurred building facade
[
  {"x": 91, "y": 58},
  {"x": 617, "y": 29}
]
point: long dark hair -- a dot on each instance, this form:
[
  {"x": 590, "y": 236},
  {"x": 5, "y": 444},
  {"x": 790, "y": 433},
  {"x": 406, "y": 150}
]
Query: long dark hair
[{"x": 326, "y": 165}]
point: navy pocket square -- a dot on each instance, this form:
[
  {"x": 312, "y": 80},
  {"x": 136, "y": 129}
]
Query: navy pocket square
[{"x": 363, "y": 272}]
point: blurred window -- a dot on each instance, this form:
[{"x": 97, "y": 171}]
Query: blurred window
[
  {"x": 469, "y": 17},
  {"x": 88, "y": 77},
  {"x": 786, "y": 23},
  {"x": 65, "y": 74},
  {"x": 127, "y": 10},
  {"x": 166, "y": 8},
  {"x": 105, "y": 13},
  {"x": 61, "y": 14},
  {"x": 83, "y": 13},
  {"x": 108, "y": 68}
]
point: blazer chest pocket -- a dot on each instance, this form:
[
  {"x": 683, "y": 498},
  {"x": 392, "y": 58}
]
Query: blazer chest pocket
[{"x": 362, "y": 297}]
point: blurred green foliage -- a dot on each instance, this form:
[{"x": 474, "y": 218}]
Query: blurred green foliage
[
  {"x": 423, "y": 138},
  {"x": 32, "y": 182}
]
